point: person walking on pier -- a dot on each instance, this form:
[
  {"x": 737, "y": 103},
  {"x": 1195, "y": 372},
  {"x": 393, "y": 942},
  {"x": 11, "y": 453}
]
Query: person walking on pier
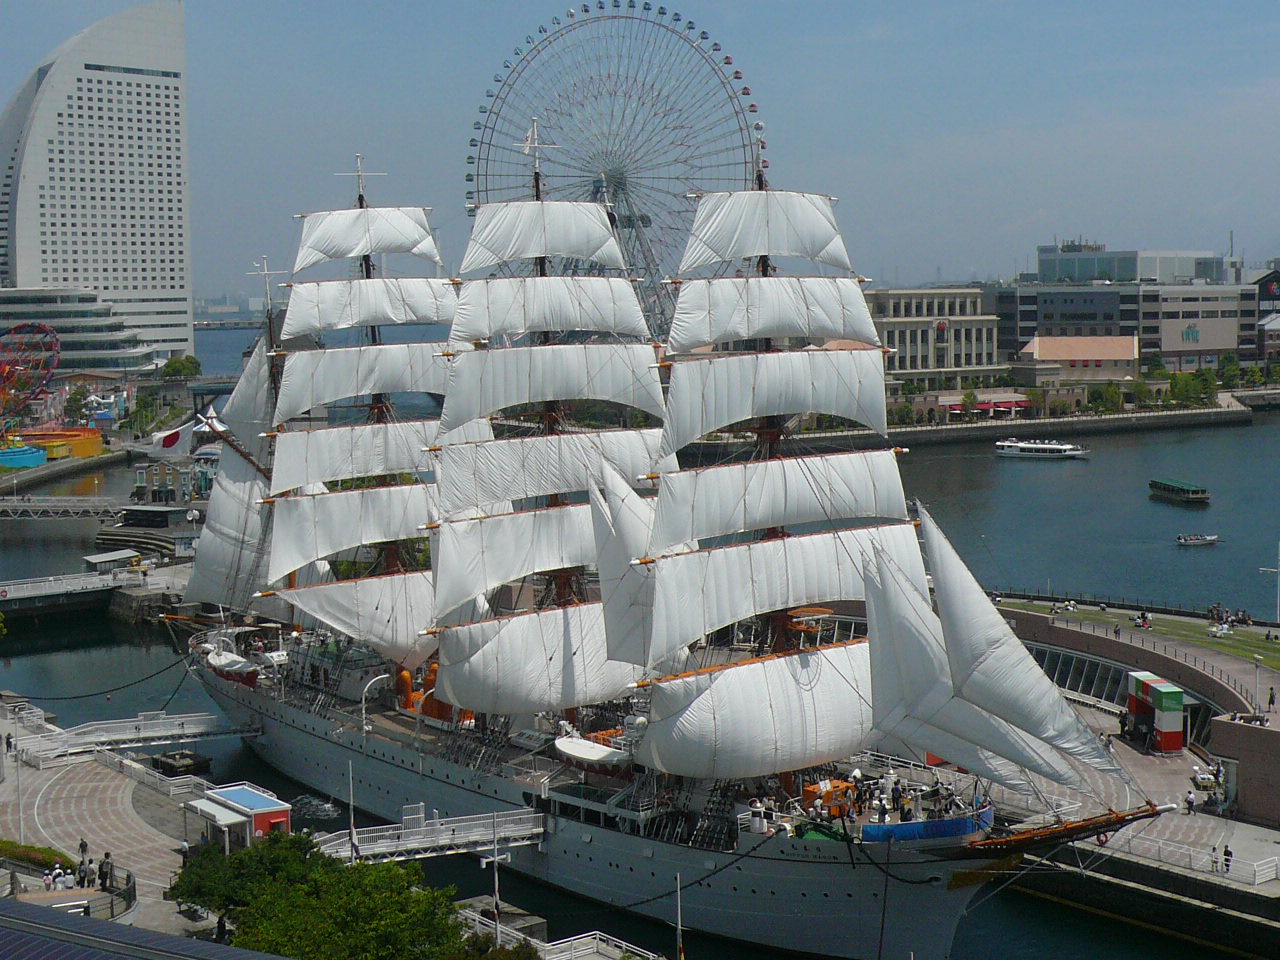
[
  {"x": 104, "y": 871},
  {"x": 84, "y": 848},
  {"x": 1226, "y": 859},
  {"x": 1190, "y": 801},
  {"x": 1271, "y": 699}
]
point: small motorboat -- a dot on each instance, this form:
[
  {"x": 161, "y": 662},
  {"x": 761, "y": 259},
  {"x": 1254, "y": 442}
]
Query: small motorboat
[{"x": 1197, "y": 539}]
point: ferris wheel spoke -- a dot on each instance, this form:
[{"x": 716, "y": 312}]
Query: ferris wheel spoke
[{"x": 639, "y": 112}]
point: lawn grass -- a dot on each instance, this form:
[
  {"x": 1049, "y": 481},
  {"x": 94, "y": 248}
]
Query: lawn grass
[{"x": 1242, "y": 642}]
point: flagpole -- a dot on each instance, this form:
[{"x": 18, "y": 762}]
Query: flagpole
[
  {"x": 679, "y": 923},
  {"x": 351, "y": 809}
]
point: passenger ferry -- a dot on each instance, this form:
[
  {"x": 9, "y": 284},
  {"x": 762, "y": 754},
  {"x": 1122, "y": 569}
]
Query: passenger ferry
[
  {"x": 1179, "y": 491},
  {"x": 1040, "y": 449}
]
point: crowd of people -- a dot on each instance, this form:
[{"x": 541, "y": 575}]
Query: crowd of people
[
  {"x": 86, "y": 875},
  {"x": 1224, "y": 617}
]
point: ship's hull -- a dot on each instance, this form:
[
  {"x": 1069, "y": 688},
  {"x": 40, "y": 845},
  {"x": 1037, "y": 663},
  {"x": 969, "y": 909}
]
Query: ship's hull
[{"x": 783, "y": 893}]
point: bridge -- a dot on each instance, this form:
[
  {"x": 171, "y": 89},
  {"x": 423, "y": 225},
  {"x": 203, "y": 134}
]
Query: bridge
[
  {"x": 227, "y": 324},
  {"x": 417, "y": 835},
  {"x": 61, "y": 508},
  {"x": 155, "y": 728}
]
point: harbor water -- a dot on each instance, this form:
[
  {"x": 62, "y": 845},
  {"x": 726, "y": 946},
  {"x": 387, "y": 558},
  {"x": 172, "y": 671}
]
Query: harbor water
[{"x": 1072, "y": 527}]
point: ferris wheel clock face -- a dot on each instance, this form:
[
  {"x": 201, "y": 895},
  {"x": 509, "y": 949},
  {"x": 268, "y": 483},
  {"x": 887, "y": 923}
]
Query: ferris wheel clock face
[{"x": 636, "y": 107}]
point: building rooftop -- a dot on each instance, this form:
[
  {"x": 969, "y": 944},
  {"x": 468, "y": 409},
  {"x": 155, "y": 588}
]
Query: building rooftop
[{"x": 1082, "y": 348}]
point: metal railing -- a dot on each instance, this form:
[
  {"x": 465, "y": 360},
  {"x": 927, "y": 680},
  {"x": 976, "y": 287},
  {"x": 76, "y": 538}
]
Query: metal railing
[
  {"x": 71, "y": 583},
  {"x": 1195, "y": 858},
  {"x": 59, "y": 746},
  {"x": 420, "y": 836},
  {"x": 594, "y": 944}
]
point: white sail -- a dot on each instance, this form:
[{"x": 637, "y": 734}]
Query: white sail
[
  {"x": 757, "y": 223},
  {"x": 334, "y": 234},
  {"x": 231, "y": 553},
  {"x": 305, "y": 457},
  {"x": 818, "y": 308},
  {"x": 713, "y": 501},
  {"x": 761, "y": 717},
  {"x": 992, "y": 669},
  {"x": 712, "y": 392},
  {"x": 486, "y": 381},
  {"x": 622, "y": 522},
  {"x": 307, "y": 528},
  {"x": 474, "y": 474},
  {"x": 546, "y": 660},
  {"x": 340, "y": 304},
  {"x": 247, "y": 412},
  {"x": 478, "y": 555},
  {"x": 230, "y": 562},
  {"x": 914, "y": 699},
  {"x": 550, "y": 228},
  {"x": 315, "y": 377},
  {"x": 385, "y": 612},
  {"x": 696, "y": 593},
  {"x": 511, "y": 306}
]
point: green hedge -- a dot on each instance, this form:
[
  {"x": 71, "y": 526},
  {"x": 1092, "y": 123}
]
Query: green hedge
[{"x": 42, "y": 857}]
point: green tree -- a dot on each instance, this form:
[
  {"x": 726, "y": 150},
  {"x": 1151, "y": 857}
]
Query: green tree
[
  {"x": 187, "y": 366},
  {"x": 1141, "y": 393},
  {"x": 1035, "y": 401},
  {"x": 481, "y": 946},
  {"x": 969, "y": 403},
  {"x": 1155, "y": 365},
  {"x": 1229, "y": 371},
  {"x": 73, "y": 407},
  {"x": 1253, "y": 377},
  {"x": 1105, "y": 398},
  {"x": 369, "y": 911}
]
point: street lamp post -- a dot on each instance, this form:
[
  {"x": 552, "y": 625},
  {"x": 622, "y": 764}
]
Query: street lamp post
[
  {"x": 364, "y": 726},
  {"x": 1276, "y": 571},
  {"x": 495, "y": 859},
  {"x": 1257, "y": 670}
]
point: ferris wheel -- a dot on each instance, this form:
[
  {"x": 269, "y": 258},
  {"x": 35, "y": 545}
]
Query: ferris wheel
[{"x": 636, "y": 107}]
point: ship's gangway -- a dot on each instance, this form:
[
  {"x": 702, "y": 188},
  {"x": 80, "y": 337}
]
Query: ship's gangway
[
  {"x": 154, "y": 728},
  {"x": 419, "y": 835}
]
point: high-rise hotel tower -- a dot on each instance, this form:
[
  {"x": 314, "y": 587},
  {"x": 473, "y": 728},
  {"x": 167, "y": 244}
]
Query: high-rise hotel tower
[{"x": 93, "y": 183}]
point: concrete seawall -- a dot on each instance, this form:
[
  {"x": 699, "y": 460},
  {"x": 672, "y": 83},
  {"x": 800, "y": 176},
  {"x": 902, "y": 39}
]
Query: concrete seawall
[
  {"x": 1232, "y": 414},
  {"x": 47, "y": 473}
]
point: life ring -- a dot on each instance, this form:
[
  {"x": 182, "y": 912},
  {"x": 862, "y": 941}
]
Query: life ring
[
  {"x": 3, "y": 594},
  {"x": 1102, "y": 839}
]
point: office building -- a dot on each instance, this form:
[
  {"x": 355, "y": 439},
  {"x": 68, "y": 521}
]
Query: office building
[
  {"x": 93, "y": 185},
  {"x": 939, "y": 336}
]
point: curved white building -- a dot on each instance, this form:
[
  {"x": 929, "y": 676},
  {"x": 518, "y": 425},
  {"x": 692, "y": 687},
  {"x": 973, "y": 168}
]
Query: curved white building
[{"x": 93, "y": 183}]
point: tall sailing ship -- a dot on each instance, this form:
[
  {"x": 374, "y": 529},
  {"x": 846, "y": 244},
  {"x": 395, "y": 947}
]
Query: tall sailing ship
[{"x": 696, "y": 664}]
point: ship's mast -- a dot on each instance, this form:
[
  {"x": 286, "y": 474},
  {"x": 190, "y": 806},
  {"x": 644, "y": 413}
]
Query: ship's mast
[
  {"x": 380, "y": 403},
  {"x": 770, "y": 431},
  {"x": 566, "y": 585}
]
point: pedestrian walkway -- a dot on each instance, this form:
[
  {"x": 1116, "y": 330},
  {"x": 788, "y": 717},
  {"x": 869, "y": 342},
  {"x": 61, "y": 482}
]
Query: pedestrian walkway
[{"x": 59, "y": 805}]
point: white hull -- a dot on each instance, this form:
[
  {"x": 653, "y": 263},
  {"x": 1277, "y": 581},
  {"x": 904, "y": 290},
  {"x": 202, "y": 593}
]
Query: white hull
[{"x": 780, "y": 892}]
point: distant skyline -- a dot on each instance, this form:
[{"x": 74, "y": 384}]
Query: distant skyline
[{"x": 958, "y": 136}]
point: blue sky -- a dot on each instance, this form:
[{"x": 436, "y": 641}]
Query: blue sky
[{"x": 957, "y": 135}]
